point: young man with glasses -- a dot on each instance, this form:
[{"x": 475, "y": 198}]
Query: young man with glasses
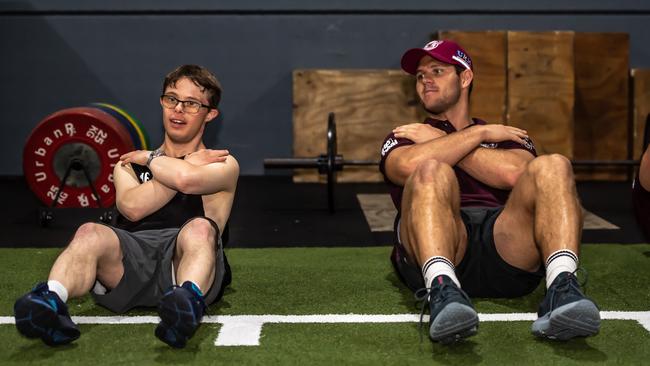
[
  {"x": 165, "y": 249},
  {"x": 479, "y": 213}
]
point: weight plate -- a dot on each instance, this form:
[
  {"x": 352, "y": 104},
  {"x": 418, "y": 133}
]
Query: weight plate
[
  {"x": 138, "y": 126},
  {"x": 81, "y": 153},
  {"x": 89, "y": 137},
  {"x": 133, "y": 132}
]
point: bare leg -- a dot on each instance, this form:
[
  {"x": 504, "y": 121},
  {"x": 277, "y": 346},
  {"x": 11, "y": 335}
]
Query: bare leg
[
  {"x": 431, "y": 227},
  {"x": 542, "y": 215},
  {"x": 431, "y": 224},
  {"x": 181, "y": 309},
  {"x": 93, "y": 253},
  {"x": 195, "y": 254}
]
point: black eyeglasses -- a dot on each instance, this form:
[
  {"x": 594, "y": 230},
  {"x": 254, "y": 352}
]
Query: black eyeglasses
[{"x": 189, "y": 106}]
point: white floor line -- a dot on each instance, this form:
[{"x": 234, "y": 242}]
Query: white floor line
[{"x": 245, "y": 330}]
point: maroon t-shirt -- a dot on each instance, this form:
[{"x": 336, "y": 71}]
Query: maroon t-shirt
[{"x": 473, "y": 193}]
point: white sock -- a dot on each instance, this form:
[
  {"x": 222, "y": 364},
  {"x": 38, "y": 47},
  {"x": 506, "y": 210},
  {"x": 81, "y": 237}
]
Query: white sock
[
  {"x": 59, "y": 289},
  {"x": 436, "y": 266},
  {"x": 560, "y": 261}
]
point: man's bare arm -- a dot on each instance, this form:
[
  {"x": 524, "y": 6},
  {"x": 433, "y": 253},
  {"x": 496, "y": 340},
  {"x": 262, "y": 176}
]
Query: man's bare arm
[
  {"x": 217, "y": 206},
  {"x": 402, "y": 161},
  {"x": 135, "y": 200},
  {"x": 195, "y": 179},
  {"x": 498, "y": 168},
  {"x": 202, "y": 172},
  {"x": 449, "y": 149}
]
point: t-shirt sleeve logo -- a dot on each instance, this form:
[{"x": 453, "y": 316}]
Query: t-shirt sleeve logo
[
  {"x": 528, "y": 144},
  {"x": 490, "y": 145},
  {"x": 388, "y": 145}
]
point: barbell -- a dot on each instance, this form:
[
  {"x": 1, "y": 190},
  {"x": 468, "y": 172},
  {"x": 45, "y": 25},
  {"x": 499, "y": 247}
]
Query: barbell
[
  {"x": 328, "y": 163},
  {"x": 331, "y": 162}
]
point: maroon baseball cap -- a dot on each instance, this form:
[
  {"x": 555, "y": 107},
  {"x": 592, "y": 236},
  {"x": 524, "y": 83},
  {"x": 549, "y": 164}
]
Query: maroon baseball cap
[{"x": 446, "y": 51}]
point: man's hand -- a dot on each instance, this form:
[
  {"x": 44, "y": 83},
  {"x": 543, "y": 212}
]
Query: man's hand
[
  {"x": 138, "y": 156},
  {"x": 499, "y": 133},
  {"x": 418, "y": 132},
  {"x": 206, "y": 156}
]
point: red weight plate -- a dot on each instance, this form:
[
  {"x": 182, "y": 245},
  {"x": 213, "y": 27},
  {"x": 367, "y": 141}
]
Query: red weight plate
[
  {"x": 125, "y": 122},
  {"x": 87, "y": 136}
]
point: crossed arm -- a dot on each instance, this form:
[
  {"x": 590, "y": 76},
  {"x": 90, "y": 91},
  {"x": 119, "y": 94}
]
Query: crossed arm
[
  {"x": 204, "y": 172},
  {"x": 497, "y": 168}
]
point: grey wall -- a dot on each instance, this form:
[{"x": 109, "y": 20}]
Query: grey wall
[{"x": 59, "y": 54}]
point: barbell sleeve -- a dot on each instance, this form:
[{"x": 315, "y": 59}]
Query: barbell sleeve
[{"x": 291, "y": 163}]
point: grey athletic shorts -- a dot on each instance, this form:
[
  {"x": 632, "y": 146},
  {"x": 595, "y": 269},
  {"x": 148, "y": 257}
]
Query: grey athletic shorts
[{"x": 148, "y": 269}]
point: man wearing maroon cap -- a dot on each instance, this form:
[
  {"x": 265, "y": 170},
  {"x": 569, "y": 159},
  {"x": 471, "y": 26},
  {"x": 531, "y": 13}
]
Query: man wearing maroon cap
[{"x": 478, "y": 209}]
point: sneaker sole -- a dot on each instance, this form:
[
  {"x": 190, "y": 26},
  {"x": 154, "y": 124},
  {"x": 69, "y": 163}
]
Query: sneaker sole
[
  {"x": 577, "y": 319},
  {"x": 455, "y": 322},
  {"x": 170, "y": 336},
  {"x": 36, "y": 319},
  {"x": 178, "y": 322}
]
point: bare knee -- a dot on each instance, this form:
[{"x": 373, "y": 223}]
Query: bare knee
[
  {"x": 552, "y": 166},
  {"x": 93, "y": 238},
  {"x": 198, "y": 233},
  {"x": 431, "y": 173}
]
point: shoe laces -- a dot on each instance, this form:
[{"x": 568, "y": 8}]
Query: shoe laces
[
  {"x": 567, "y": 283},
  {"x": 585, "y": 274},
  {"x": 421, "y": 300},
  {"x": 423, "y": 297}
]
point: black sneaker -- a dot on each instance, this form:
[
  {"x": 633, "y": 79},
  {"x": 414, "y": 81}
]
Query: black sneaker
[
  {"x": 565, "y": 312},
  {"x": 180, "y": 311},
  {"x": 452, "y": 316},
  {"x": 42, "y": 314}
]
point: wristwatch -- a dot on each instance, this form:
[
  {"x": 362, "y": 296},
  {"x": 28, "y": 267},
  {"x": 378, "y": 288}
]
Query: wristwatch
[{"x": 154, "y": 154}]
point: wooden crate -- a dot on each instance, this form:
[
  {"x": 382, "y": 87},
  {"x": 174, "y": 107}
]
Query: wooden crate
[
  {"x": 602, "y": 107},
  {"x": 368, "y": 104},
  {"x": 488, "y": 52},
  {"x": 541, "y": 88}
]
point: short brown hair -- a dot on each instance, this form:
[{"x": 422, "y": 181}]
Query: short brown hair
[{"x": 200, "y": 76}]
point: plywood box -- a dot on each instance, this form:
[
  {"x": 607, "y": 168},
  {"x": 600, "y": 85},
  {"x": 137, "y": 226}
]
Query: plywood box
[
  {"x": 368, "y": 104},
  {"x": 541, "y": 88},
  {"x": 601, "y": 108},
  {"x": 488, "y": 52}
]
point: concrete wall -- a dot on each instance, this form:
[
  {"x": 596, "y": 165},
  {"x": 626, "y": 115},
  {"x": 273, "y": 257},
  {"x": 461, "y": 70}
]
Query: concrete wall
[{"x": 59, "y": 54}]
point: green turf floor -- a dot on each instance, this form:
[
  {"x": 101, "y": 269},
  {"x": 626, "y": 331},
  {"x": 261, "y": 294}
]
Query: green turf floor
[{"x": 340, "y": 281}]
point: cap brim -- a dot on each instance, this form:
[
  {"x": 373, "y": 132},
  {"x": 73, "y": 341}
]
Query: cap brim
[{"x": 411, "y": 59}]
